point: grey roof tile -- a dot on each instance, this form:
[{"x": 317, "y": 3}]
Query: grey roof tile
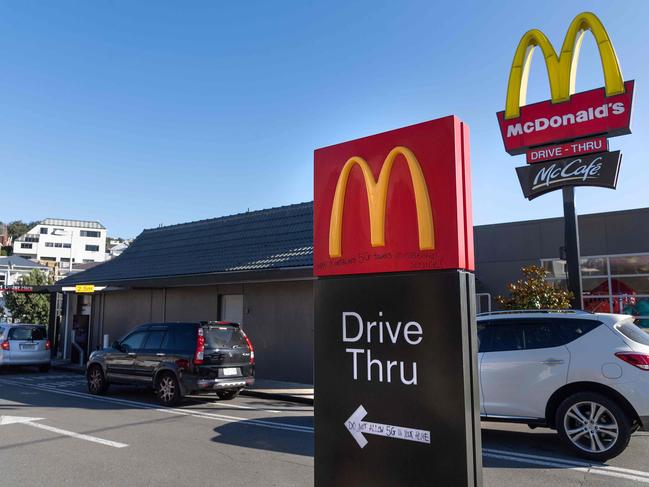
[{"x": 275, "y": 238}]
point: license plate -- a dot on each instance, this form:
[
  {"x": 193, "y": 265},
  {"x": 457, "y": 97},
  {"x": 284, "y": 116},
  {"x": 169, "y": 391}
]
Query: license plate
[
  {"x": 230, "y": 371},
  {"x": 27, "y": 347}
]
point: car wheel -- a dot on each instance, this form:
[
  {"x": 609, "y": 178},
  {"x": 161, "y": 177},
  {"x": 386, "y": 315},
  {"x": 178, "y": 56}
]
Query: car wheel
[
  {"x": 168, "y": 389},
  {"x": 44, "y": 368},
  {"x": 228, "y": 394},
  {"x": 97, "y": 383},
  {"x": 593, "y": 426}
]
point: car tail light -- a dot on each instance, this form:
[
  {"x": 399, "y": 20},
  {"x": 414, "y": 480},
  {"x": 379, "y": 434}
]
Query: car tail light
[
  {"x": 181, "y": 363},
  {"x": 200, "y": 348},
  {"x": 639, "y": 360},
  {"x": 48, "y": 345},
  {"x": 5, "y": 345},
  {"x": 252, "y": 350}
]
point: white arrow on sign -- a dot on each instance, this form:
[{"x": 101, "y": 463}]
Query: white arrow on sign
[
  {"x": 359, "y": 428},
  {"x": 4, "y": 420}
]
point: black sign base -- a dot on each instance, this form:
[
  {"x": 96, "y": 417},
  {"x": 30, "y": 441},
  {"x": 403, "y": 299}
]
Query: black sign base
[{"x": 396, "y": 388}]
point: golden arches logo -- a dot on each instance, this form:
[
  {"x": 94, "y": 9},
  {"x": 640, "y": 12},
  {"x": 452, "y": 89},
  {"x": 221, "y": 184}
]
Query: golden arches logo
[
  {"x": 377, "y": 195},
  {"x": 561, "y": 69}
]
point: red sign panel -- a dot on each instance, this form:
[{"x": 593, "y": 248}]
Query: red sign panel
[
  {"x": 396, "y": 201},
  {"x": 571, "y": 149},
  {"x": 585, "y": 114}
]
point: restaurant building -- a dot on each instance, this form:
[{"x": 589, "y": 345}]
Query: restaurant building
[{"x": 255, "y": 268}]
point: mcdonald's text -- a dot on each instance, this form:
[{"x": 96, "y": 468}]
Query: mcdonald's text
[{"x": 586, "y": 114}]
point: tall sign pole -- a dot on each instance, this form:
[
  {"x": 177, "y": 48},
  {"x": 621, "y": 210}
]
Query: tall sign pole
[
  {"x": 573, "y": 255},
  {"x": 566, "y": 138},
  {"x": 396, "y": 379}
]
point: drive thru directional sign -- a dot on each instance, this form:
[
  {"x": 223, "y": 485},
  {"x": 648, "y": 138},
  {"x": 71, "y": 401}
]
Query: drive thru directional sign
[
  {"x": 358, "y": 428},
  {"x": 5, "y": 420}
]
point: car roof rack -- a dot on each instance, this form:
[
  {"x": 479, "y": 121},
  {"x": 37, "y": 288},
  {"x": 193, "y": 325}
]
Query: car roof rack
[{"x": 530, "y": 311}]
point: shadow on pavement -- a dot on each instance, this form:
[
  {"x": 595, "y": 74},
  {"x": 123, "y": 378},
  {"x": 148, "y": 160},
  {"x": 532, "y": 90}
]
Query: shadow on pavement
[{"x": 271, "y": 439}]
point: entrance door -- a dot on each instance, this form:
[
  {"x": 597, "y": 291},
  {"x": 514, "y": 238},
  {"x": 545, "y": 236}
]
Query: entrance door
[{"x": 232, "y": 308}]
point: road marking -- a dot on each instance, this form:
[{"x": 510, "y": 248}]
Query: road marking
[
  {"x": 183, "y": 412},
  {"x": 359, "y": 428},
  {"x": 5, "y": 420},
  {"x": 575, "y": 465}
]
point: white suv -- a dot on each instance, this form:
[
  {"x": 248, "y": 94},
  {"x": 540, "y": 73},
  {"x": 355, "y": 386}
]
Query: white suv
[{"x": 585, "y": 375}]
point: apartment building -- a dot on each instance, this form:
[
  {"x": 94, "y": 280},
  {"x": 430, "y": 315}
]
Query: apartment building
[{"x": 63, "y": 241}]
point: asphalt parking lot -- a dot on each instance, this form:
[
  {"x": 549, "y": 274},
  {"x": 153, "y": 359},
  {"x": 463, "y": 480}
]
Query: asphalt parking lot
[{"x": 52, "y": 432}]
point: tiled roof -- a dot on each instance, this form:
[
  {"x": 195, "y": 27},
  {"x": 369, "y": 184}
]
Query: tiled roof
[
  {"x": 17, "y": 261},
  {"x": 276, "y": 238},
  {"x": 72, "y": 223}
]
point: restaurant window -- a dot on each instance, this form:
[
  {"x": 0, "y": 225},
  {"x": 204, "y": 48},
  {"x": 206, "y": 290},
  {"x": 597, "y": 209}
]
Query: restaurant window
[{"x": 611, "y": 283}]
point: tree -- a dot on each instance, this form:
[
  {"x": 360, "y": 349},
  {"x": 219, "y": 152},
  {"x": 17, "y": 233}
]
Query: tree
[
  {"x": 28, "y": 307},
  {"x": 18, "y": 228},
  {"x": 534, "y": 292}
]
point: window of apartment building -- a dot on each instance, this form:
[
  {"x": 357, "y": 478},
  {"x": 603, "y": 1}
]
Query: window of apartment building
[
  {"x": 92, "y": 248},
  {"x": 44, "y": 230},
  {"x": 67, "y": 245},
  {"x": 49, "y": 244},
  {"x": 25, "y": 246},
  {"x": 31, "y": 238},
  {"x": 90, "y": 233},
  {"x": 611, "y": 283}
]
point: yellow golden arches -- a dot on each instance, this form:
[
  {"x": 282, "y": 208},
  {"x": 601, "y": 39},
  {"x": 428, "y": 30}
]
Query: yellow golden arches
[
  {"x": 377, "y": 195},
  {"x": 561, "y": 69}
]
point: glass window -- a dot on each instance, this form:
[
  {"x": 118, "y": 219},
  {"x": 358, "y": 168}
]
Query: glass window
[
  {"x": 506, "y": 337},
  {"x": 484, "y": 336},
  {"x": 595, "y": 285},
  {"x": 556, "y": 268},
  {"x": 89, "y": 233},
  {"x": 594, "y": 266},
  {"x": 630, "y": 264},
  {"x": 154, "y": 340},
  {"x": 67, "y": 245},
  {"x": 133, "y": 341},
  {"x": 597, "y": 305},
  {"x": 544, "y": 334},
  {"x": 25, "y": 246},
  {"x": 181, "y": 338},
  {"x": 49, "y": 244},
  {"x": 92, "y": 248},
  {"x": 630, "y": 285},
  {"x": 223, "y": 337},
  {"x": 44, "y": 230},
  {"x": 27, "y": 333}
]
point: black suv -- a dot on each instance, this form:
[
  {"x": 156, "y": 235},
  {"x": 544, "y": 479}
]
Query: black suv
[{"x": 177, "y": 359}]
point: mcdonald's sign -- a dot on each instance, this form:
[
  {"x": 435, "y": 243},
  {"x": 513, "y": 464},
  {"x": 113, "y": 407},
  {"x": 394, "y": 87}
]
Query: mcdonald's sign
[
  {"x": 567, "y": 116},
  {"x": 396, "y": 201}
]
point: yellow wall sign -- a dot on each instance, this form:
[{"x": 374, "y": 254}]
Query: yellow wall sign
[{"x": 84, "y": 288}]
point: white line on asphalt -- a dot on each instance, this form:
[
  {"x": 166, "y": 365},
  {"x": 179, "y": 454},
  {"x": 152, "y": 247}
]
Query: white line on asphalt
[
  {"x": 183, "y": 412},
  {"x": 239, "y": 406},
  {"x": 78, "y": 436},
  {"x": 554, "y": 462}
]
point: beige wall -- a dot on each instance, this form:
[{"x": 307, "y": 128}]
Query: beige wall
[{"x": 277, "y": 316}]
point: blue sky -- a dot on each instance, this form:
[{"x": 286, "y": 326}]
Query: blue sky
[{"x": 142, "y": 113}]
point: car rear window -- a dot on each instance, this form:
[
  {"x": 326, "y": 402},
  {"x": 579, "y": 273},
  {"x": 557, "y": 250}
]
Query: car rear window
[
  {"x": 27, "y": 333},
  {"x": 223, "y": 337},
  {"x": 630, "y": 330}
]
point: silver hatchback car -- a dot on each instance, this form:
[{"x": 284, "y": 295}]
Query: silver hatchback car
[{"x": 24, "y": 344}]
